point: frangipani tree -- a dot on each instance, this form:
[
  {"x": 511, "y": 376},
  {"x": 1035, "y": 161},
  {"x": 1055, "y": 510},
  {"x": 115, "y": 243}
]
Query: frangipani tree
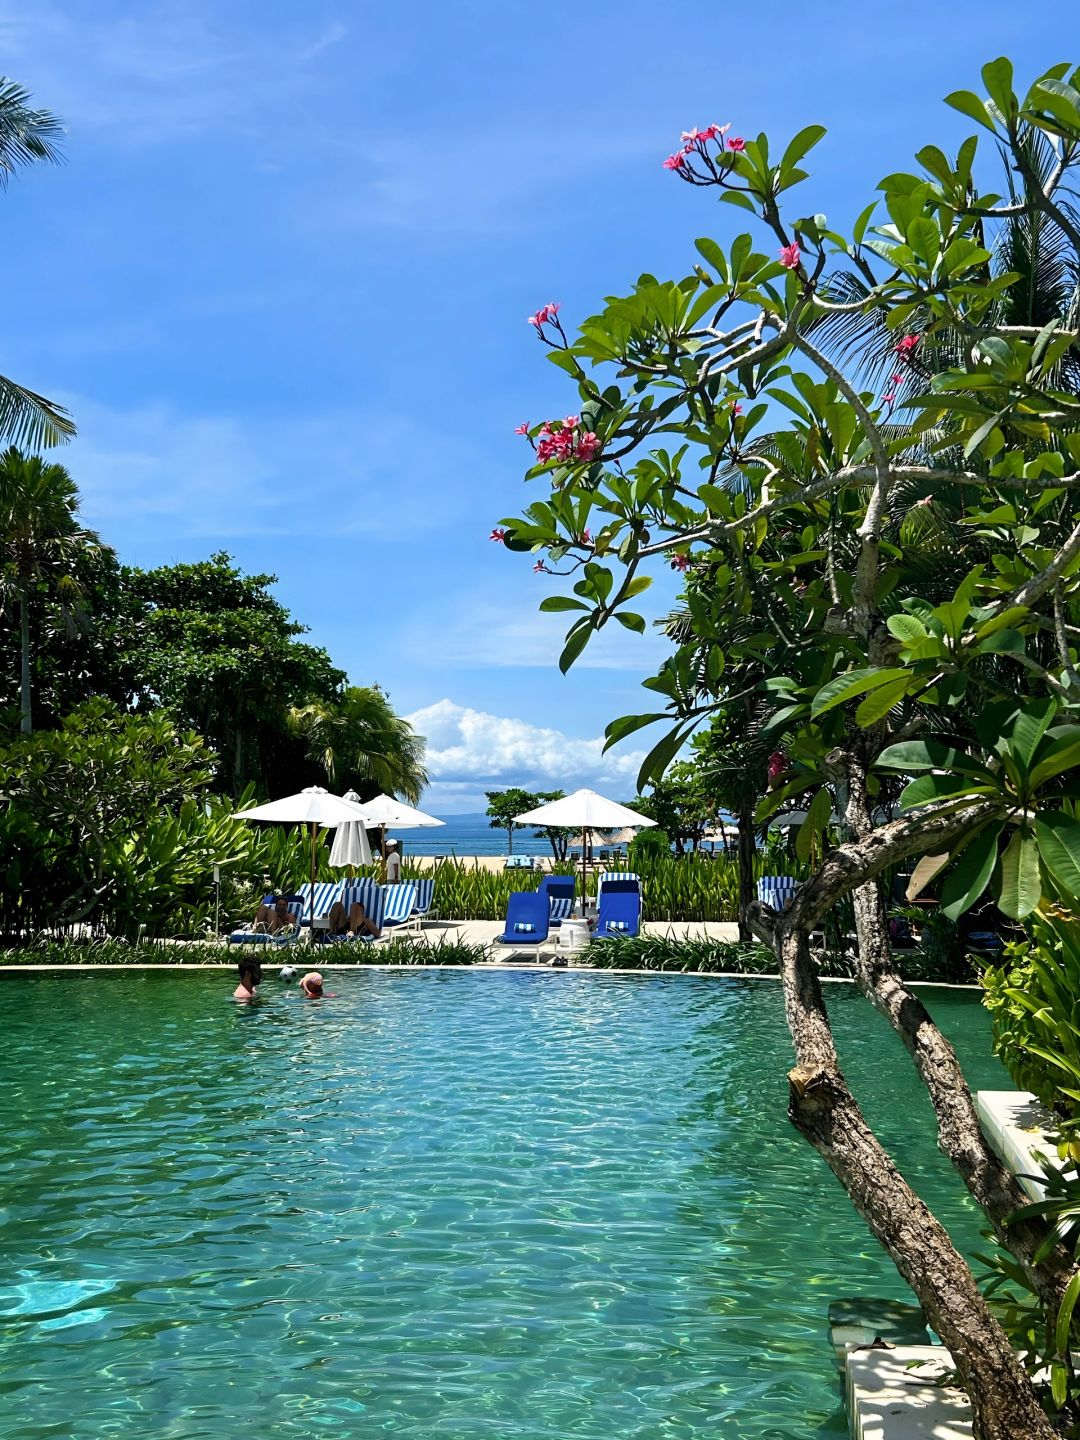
[{"x": 718, "y": 431}]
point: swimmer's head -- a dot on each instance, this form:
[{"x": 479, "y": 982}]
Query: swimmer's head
[
  {"x": 312, "y": 983},
  {"x": 288, "y": 973},
  {"x": 249, "y": 966}
]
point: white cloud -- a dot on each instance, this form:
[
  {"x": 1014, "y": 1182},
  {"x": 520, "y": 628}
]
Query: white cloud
[{"x": 470, "y": 751}]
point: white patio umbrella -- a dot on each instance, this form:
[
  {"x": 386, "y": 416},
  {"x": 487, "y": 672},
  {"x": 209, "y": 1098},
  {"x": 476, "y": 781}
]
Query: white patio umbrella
[
  {"x": 315, "y": 808},
  {"x": 384, "y": 811},
  {"x": 584, "y": 810},
  {"x": 350, "y": 847}
]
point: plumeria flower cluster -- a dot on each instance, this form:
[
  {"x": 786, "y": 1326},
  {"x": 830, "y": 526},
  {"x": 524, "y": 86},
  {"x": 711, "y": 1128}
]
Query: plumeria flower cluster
[
  {"x": 790, "y": 255},
  {"x": 564, "y": 441},
  {"x": 777, "y": 766},
  {"x": 695, "y": 146},
  {"x": 889, "y": 398},
  {"x": 547, "y": 315},
  {"x": 680, "y": 561}
]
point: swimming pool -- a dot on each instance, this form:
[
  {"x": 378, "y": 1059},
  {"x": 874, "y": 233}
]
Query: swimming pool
[{"x": 476, "y": 1206}]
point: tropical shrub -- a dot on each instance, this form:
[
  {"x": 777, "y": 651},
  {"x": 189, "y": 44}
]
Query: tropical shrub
[
  {"x": 1034, "y": 999},
  {"x": 661, "y": 952}
]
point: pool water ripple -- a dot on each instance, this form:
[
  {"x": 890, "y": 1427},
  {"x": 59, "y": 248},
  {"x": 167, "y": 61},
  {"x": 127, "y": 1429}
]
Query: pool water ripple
[{"x": 489, "y": 1205}]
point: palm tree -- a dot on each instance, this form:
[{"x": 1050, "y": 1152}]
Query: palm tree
[
  {"x": 39, "y": 537},
  {"x": 26, "y": 136},
  {"x": 360, "y": 738}
]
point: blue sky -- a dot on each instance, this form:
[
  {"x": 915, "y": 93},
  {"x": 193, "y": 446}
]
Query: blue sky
[{"x": 282, "y": 283}]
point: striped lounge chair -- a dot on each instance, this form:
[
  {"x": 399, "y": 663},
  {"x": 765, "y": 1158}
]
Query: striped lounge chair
[
  {"x": 250, "y": 936},
  {"x": 777, "y": 891},
  {"x": 322, "y": 901},
  {"x": 369, "y": 893},
  {"x": 423, "y": 906},
  {"x": 399, "y": 904}
]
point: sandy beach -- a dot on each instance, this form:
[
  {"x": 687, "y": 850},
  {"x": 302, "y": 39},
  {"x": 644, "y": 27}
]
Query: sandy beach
[{"x": 491, "y": 863}]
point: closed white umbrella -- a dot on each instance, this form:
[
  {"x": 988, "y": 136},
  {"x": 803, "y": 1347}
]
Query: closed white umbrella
[
  {"x": 350, "y": 847},
  {"x": 384, "y": 811},
  {"x": 314, "y": 807},
  {"x": 584, "y": 810}
]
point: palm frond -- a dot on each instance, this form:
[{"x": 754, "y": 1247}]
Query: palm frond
[
  {"x": 29, "y": 420},
  {"x": 27, "y": 135}
]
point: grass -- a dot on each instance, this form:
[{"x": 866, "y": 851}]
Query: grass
[{"x": 659, "y": 953}]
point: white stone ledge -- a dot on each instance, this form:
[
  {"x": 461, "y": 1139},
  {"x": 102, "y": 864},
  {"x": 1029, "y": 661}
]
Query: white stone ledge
[
  {"x": 1016, "y": 1125},
  {"x": 889, "y": 1400}
]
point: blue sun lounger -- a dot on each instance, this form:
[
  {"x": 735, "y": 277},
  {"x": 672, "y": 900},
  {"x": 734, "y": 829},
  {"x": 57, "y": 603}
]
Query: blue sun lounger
[
  {"x": 619, "y": 913},
  {"x": 560, "y": 892},
  {"x": 527, "y": 922}
]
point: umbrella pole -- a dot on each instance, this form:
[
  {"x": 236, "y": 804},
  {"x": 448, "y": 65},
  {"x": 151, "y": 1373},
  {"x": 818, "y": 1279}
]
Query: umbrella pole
[
  {"x": 311, "y": 901},
  {"x": 584, "y": 891}
]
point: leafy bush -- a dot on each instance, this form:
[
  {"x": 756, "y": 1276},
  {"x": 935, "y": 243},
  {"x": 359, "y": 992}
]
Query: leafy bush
[
  {"x": 403, "y": 950},
  {"x": 1034, "y": 1000},
  {"x": 655, "y": 952}
]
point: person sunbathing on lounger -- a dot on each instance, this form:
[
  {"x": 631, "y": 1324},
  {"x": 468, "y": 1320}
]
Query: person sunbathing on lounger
[
  {"x": 275, "y": 919},
  {"x": 356, "y": 922}
]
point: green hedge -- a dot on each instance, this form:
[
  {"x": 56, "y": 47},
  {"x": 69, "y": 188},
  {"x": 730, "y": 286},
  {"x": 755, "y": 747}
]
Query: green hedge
[
  {"x": 402, "y": 950},
  {"x": 646, "y": 952},
  {"x": 682, "y": 888}
]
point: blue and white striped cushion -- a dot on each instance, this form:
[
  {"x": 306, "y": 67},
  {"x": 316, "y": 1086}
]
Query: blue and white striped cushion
[
  {"x": 399, "y": 901},
  {"x": 561, "y": 908},
  {"x": 777, "y": 891},
  {"x": 524, "y": 927},
  {"x": 425, "y": 894},
  {"x": 326, "y": 892},
  {"x": 620, "y": 875}
]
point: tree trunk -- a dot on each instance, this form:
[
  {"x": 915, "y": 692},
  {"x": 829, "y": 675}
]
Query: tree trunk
[
  {"x": 960, "y": 1134},
  {"x": 745, "y": 863},
  {"x": 823, "y": 1110},
  {"x": 26, "y": 724}
]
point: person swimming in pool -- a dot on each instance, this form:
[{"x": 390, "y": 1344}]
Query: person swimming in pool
[
  {"x": 250, "y": 975},
  {"x": 312, "y": 986}
]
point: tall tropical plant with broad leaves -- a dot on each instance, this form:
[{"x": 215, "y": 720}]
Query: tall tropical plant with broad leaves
[
  {"x": 360, "y": 741},
  {"x": 40, "y": 536},
  {"x": 27, "y": 136}
]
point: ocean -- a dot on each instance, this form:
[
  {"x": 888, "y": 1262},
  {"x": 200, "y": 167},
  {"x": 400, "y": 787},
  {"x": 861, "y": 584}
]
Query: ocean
[{"x": 469, "y": 835}]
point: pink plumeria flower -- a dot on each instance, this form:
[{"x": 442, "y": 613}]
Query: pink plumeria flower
[
  {"x": 888, "y": 398},
  {"x": 587, "y": 446},
  {"x": 586, "y": 537},
  {"x": 522, "y": 429},
  {"x": 905, "y": 346},
  {"x": 790, "y": 255},
  {"x": 926, "y": 500},
  {"x": 897, "y": 379},
  {"x": 680, "y": 560},
  {"x": 692, "y": 135},
  {"x": 499, "y": 536},
  {"x": 539, "y": 568},
  {"x": 569, "y": 421},
  {"x": 736, "y": 408},
  {"x": 736, "y": 142},
  {"x": 676, "y": 161}
]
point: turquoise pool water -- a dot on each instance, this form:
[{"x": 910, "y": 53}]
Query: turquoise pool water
[{"x": 491, "y": 1206}]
